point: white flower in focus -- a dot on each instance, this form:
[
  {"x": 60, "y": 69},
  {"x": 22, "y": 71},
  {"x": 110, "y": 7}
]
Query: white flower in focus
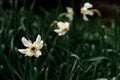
[
  {"x": 63, "y": 28},
  {"x": 33, "y": 49},
  {"x": 86, "y": 11},
  {"x": 70, "y": 13}
]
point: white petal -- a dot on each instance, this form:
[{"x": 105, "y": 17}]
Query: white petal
[
  {"x": 88, "y": 12},
  {"x": 25, "y": 42},
  {"x": 38, "y": 40},
  {"x": 57, "y": 30},
  {"x": 28, "y": 53},
  {"x": 37, "y": 54},
  {"x": 85, "y": 17},
  {"x": 40, "y": 46},
  {"x": 23, "y": 51},
  {"x": 70, "y": 17},
  {"x": 67, "y": 24},
  {"x": 61, "y": 34},
  {"x": 88, "y": 5},
  {"x": 61, "y": 25},
  {"x": 69, "y": 10}
]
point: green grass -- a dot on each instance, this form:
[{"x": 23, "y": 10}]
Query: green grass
[{"x": 84, "y": 53}]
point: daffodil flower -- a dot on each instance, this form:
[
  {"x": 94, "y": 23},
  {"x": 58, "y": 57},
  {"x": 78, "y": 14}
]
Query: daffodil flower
[
  {"x": 63, "y": 28},
  {"x": 85, "y": 10},
  {"x": 70, "y": 13},
  {"x": 33, "y": 49}
]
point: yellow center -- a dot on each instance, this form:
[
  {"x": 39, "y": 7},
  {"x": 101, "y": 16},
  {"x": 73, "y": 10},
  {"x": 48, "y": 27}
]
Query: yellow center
[
  {"x": 33, "y": 49},
  {"x": 82, "y": 11},
  {"x": 66, "y": 29}
]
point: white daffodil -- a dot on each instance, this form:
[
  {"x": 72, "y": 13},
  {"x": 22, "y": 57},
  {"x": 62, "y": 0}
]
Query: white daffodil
[
  {"x": 70, "y": 13},
  {"x": 63, "y": 28},
  {"x": 33, "y": 49},
  {"x": 85, "y": 10}
]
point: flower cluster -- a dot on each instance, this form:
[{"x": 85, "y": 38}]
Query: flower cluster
[
  {"x": 63, "y": 27},
  {"x": 33, "y": 49}
]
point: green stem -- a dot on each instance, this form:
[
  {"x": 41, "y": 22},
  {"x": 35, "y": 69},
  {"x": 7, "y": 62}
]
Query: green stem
[
  {"x": 62, "y": 14},
  {"x": 96, "y": 11}
]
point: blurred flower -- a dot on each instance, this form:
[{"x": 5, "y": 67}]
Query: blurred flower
[
  {"x": 70, "y": 13},
  {"x": 1, "y": 67},
  {"x": 114, "y": 78},
  {"x": 102, "y": 79},
  {"x": 33, "y": 49},
  {"x": 35, "y": 69},
  {"x": 86, "y": 10},
  {"x": 63, "y": 28}
]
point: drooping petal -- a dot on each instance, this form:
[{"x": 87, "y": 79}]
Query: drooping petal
[
  {"x": 88, "y": 12},
  {"x": 70, "y": 17},
  {"x": 69, "y": 10},
  {"x": 88, "y": 5},
  {"x": 37, "y": 54},
  {"x": 25, "y": 42},
  {"x": 61, "y": 34},
  {"x": 23, "y": 51},
  {"x": 38, "y": 40},
  {"x": 85, "y": 17},
  {"x": 58, "y": 30}
]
